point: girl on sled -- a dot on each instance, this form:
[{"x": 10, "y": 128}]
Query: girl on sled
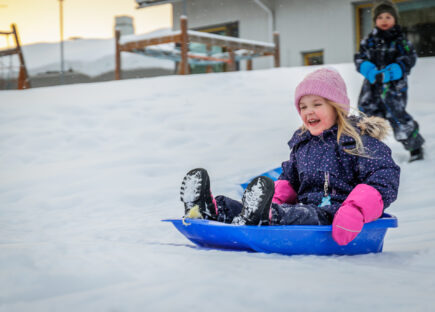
[{"x": 339, "y": 172}]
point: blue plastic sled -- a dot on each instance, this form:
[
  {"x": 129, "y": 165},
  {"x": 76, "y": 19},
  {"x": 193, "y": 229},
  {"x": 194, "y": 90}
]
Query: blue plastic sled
[
  {"x": 273, "y": 174},
  {"x": 284, "y": 239}
]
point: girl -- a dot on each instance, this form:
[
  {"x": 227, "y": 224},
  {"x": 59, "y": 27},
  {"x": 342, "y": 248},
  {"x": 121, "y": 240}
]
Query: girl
[{"x": 339, "y": 172}]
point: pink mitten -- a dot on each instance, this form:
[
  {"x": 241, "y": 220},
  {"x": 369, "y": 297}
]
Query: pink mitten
[
  {"x": 284, "y": 193},
  {"x": 364, "y": 204}
]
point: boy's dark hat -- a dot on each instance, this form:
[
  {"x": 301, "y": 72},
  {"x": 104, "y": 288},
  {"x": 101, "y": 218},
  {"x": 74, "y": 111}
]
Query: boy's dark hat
[{"x": 385, "y": 6}]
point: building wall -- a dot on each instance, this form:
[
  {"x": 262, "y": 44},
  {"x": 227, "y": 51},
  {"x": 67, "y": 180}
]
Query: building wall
[
  {"x": 316, "y": 25},
  {"x": 307, "y": 25},
  {"x": 254, "y": 23}
]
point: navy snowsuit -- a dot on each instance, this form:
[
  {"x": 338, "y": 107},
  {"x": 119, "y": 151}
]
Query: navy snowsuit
[
  {"x": 388, "y": 100},
  {"x": 313, "y": 158}
]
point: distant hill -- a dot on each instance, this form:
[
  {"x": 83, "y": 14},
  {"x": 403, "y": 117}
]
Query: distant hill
[{"x": 91, "y": 57}]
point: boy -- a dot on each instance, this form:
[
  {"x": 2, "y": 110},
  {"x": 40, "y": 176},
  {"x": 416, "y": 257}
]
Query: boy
[{"x": 385, "y": 59}]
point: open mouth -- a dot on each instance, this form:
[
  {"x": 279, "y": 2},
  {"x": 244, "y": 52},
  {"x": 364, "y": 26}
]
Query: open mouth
[{"x": 313, "y": 122}]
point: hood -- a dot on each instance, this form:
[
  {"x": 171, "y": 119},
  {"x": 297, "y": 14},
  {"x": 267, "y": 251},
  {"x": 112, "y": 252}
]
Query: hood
[{"x": 376, "y": 127}]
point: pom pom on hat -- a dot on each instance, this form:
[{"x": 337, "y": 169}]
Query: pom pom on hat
[{"x": 324, "y": 82}]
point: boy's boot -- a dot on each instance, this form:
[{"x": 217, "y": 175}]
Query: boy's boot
[
  {"x": 196, "y": 195},
  {"x": 416, "y": 154},
  {"x": 256, "y": 202},
  {"x": 414, "y": 143}
]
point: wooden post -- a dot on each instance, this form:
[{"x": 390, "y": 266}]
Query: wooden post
[
  {"x": 23, "y": 82},
  {"x": 23, "y": 76},
  {"x": 184, "y": 64},
  {"x": 209, "y": 68},
  {"x": 232, "y": 65},
  {"x": 249, "y": 64},
  {"x": 117, "y": 56},
  {"x": 276, "y": 55}
]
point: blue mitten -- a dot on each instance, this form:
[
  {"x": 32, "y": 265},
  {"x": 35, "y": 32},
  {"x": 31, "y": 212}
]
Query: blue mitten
[
  {"x": 392, "y": 72},
  {"x": 369, "y": 71}
]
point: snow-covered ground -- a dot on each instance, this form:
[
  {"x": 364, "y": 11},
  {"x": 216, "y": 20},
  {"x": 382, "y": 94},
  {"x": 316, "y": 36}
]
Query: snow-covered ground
[
  {"x": 88, "y": 171},
  {"x": 91, "y": 57}
]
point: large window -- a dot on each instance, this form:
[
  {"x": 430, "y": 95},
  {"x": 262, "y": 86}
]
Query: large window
[{"x": 417, "y": 18}]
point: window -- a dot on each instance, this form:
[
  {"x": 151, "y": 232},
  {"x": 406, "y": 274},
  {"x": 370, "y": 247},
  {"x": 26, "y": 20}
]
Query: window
[
  {"x": 364, "y": 24},
  {"x": 231, "y": 30},
  {"x": 313, "y": 57},
  {"x": 417, "y": 19}
]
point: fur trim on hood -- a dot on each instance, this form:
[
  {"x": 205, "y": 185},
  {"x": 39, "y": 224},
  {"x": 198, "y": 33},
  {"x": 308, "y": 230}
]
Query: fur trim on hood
[{"x": 376, "y": 127}]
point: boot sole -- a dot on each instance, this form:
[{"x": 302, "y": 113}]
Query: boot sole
[
  {"x": 194, "y": 192},
  {"x": 258, "y": 197}
]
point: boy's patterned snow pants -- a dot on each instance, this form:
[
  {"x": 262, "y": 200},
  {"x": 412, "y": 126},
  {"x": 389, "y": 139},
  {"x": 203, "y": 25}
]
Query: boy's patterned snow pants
[{"x": 389, "y": 101}]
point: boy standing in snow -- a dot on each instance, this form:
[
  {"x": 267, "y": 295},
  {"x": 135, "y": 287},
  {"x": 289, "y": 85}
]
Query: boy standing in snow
[{"x": 385, "y": 58}]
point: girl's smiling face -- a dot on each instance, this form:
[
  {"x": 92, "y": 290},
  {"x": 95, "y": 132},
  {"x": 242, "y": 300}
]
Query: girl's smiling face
[
  {"x": 317, "y": 114},
  {"x": 385, "y": 21}
]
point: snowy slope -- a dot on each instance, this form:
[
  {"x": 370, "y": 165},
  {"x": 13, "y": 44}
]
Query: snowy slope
[
  {"x": 91, "y": 57},
  {"x": 88, "y": 171}
]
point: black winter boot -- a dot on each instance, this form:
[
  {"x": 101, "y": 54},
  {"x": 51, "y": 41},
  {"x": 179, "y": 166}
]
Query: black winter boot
[
  {"x": 256, "y": 202},
  {"x": 414, "y": 142},
  {"x": 196, "y": 195},
  {"x": 416, "y": 154}
]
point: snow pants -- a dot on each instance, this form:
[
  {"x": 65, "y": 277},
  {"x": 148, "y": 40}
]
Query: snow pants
[
  {"x": 389, "y": 101},
  {"x": 284, "y": 214}
]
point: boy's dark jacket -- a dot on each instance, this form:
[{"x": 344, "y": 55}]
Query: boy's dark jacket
[
  {"x": 384, "y": 47},
  {"x": 313, "y": 156}
]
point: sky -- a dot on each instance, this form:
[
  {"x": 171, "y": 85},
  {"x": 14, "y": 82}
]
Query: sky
[{"x": 38, "y": 20}]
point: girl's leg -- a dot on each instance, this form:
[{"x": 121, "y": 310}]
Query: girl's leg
[
  {"x": 255, "y": 206},
  {"x": 199, "y": 203},
  {"x": 227, "y": 208},
  {"x": 299, "y": 214}
]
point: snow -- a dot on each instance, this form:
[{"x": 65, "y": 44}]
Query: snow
[
  {"x": 91, "y": 57},
  {"x": 87, "y": 172},
  {"x": 153, "y": 35},
  {"x": 230, "y": 39}
]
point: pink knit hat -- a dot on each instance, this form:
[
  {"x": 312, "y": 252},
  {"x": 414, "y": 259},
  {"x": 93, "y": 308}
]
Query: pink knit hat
[{"x": 324, "y": 82}]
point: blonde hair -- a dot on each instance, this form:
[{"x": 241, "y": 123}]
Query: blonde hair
[{"x": 346, "y": 128}]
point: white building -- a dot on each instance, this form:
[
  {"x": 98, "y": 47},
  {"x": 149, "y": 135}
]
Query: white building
[{"x": 311, "y": 31}]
